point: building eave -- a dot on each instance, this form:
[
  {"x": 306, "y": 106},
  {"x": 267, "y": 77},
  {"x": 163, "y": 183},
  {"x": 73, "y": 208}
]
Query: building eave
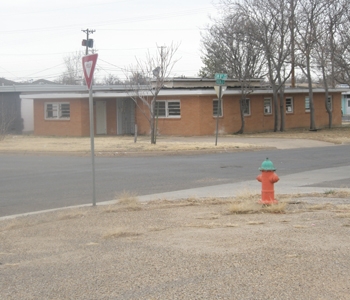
[{"x": 163, "y": 93}]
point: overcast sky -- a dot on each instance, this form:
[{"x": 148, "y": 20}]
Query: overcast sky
[{"x": 36, "y": 35}]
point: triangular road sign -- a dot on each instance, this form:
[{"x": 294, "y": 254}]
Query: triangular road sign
[
  {"x": 89, "y": 63},
  {"x": 217, "y": 90}
]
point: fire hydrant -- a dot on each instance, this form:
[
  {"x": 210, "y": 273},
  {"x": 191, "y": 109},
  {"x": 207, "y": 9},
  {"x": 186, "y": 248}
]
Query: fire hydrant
[{"x": 267, "y": 177}]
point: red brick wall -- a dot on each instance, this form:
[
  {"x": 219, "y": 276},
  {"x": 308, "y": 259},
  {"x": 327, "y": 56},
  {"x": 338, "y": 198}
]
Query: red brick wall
[
  {"x": 197, "y": 115},
  {"x": 78, "y": 125}
]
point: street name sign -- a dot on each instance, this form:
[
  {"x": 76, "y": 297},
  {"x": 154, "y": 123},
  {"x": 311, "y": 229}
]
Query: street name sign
[
  {"x": 89, "y": 63},
  {"x": 220, "y": 78}
]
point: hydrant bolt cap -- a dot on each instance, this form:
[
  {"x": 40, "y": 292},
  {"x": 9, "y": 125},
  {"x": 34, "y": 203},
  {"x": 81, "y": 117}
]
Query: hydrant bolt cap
[{"x": 267, "y": 165}]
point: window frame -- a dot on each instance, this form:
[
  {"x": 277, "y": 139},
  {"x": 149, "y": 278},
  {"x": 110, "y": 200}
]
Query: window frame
[
  {"x": 330, "y": 101},
  {"x": 221, "y": 108},
  {"x": 245, "y": 106},
  {"x": 307, "y": 108},
  {"x": 59, "y": 111},
  {"x": 167, "y": 114},
  {"x": 270, "y": 105},
  {"x": 291, "y": 105}
]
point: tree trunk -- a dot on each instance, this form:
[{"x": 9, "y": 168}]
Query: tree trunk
[
  {"x": 241, "y": 130},
  {"x": 275, "y": 108},
  {"x": 329, "y": 111},
  {"x": 153, "y": 123},
  {"x": 282, "y": 109},
  {"x": 311, "y": 98}
]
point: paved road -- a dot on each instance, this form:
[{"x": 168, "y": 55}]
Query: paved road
[{"x": 31, "y": 183}]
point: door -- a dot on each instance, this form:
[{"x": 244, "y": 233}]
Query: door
[
  {"x": 125, "y": 116},
  {"x": 101, "y": 117},
  {"x": 348, "y": 110}
]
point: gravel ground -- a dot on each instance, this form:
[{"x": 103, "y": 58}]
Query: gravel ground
[{"x": 191, "y": 249}]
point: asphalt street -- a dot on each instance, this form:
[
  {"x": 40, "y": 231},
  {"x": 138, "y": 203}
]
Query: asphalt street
[{"x": 32, "y": 183}]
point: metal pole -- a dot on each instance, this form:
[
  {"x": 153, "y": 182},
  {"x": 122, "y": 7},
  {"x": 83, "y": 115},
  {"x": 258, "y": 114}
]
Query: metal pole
[
  {"x": 217, "y": 115},
  {"x": 87, "y": 42},
  {"x": 92, "y": 134},
  {"x": 135, "y": 134}
]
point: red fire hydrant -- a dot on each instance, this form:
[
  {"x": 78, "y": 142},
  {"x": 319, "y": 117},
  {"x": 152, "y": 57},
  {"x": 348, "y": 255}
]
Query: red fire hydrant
[{"x": 267, "y": 177}]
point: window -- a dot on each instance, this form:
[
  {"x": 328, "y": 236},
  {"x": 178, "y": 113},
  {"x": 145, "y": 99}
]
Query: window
[
  {"x": 160, "y": 109},
  {"x": 289, "y": 105},
  {"x": 246, "y": 107},
  {"x": 330, "y": 103},
  {"x": 57, "y": 111},
  {"x": 215, "y": 108},
  {"x": 307, "y": 104},
  {"x": 267, "y": 106},
  {"x": 168, "y": 109}
]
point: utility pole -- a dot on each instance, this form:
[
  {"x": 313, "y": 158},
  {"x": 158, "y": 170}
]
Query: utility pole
[
  {"x": 88, "y": 43},
  {"x": 161, "y": 76},
  {"x": 161, "y": 61}
]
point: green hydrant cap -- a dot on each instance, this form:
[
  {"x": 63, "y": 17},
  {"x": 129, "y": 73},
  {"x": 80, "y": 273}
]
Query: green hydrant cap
[{"x": 267, "y": 165}]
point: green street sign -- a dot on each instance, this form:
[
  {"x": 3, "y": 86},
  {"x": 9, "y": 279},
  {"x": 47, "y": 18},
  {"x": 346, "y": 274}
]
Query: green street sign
[
  {"x": 220, "y": 81},
  {"x": 220, "y": 76}
]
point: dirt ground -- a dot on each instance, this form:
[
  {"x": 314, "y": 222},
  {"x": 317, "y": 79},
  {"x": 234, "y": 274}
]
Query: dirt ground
[
  {"x": 188, "y": 249},
  {"x": 108, "y": 145}
]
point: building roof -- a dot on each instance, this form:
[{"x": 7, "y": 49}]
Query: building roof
[{"x": 164, "y": 93}]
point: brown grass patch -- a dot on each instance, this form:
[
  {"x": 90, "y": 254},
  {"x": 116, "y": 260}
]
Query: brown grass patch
[
  {"x": 299, "y": 226},
  {"x": 255, "y": 223},
  {"x": 119, "y": 233},
  {"x": 322, "y": 206},
  {"x": 114, "y": 145},
  {"x": 339, "y": 135},
  {"x": 246, "y": 202},
  {"x": 129, "y": 201},
  {"x": 213, "y": 225},
  {"x": 70, "y": 215},
  {"x": 345, "y": 215}
]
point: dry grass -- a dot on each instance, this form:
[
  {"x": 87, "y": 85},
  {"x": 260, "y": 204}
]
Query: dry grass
[
  {"x": 121, "y": 145},
  {"x": 70, "y": 215},
  {"x": 125, "y": 201},
  {"x": 246, "y": 202},
  {"x": 116, "y": 145},
  {"x": 119, "y": 233},
  {"x": 339, "y": 135}
]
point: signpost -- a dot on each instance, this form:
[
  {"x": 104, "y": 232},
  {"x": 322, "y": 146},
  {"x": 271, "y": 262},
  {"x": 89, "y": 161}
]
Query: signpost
[
  {"x": 89, "y": 63},
  {"x": 220, "y": 89}
]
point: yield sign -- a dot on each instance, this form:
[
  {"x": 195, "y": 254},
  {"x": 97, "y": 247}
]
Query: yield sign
[
  {"x": 89, "y": 63},
  {"x": 217, "y": 90}
]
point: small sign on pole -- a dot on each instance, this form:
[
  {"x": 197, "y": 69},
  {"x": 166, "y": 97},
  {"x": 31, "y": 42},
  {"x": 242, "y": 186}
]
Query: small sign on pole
[
  {"x": 220, "y": 78},
  {"x": 89, "y": 63},
  {"x": 219, "y": 89}
]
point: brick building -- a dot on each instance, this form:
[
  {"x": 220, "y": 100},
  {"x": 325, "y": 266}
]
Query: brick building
[{"x": 185, "y": 108}]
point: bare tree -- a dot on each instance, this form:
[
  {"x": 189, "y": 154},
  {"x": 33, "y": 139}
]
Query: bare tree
[
  {"x": 227, "y": 48},
  {"x": 308, "y": 27},
  {"x": 111, "y": 79},
  {"x": 342, "y": 48},
  {"x": 260, "y": 30},
  {"x": 74, "y": 70},
  {"x": 269, "y": 26},
  {"x": 326, "y": 49},
  {"x": 146, "y": 79}
]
